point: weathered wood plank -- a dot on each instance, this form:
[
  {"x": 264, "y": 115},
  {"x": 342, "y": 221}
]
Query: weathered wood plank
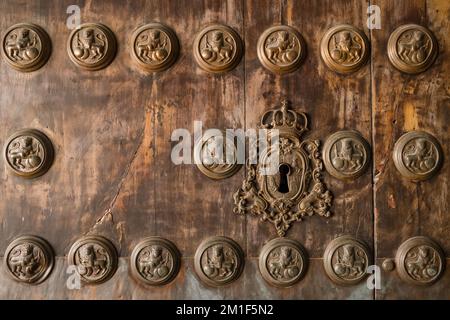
[
  {"x": 402, "y": 103},
  {"x": 333, "y": 102}
]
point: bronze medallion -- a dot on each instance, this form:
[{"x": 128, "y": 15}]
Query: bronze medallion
[
  {"x": 95, "y": 258},
  {"x": 283, "y": 262},
  {"x": 420, "y": 261},
  {"x": 29, "y": 153},
  {"x": 29, "y": 259},
  {"x": 26, "y": 47},
  {"x": 296, "y": 189},
  {"x": 219, "y": 261},
  {"x": 92, "y": 46},
  {"x": 346, "y": 154},
  {"x": 281, "y": 49},
  {"x": 344, "y": 48},
  {"x": 155, "y": 261},
  {"x": 155, "y": 47},
  {"x": 213, "y": 161},
  {"x": 417, "y": 155},
  {"x": 218, "y": 48},
  {"x": 346, "y": 260},
  {"x": 412, "y": 48}
]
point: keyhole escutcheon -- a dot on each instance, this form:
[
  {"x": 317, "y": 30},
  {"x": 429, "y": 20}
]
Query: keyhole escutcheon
[{"x": 284, "y": 170}]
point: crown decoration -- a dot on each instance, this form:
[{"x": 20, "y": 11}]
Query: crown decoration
[{"x": 285, "y": 119}]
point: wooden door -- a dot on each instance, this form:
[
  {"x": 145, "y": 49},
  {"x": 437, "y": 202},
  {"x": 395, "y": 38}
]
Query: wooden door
[{"x": 111, "y": 129}]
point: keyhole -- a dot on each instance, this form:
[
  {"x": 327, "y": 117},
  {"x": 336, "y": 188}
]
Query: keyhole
[{"x": 284, "y": 170}]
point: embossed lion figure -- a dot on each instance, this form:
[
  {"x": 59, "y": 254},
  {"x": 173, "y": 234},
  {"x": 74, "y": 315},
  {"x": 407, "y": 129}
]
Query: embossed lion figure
[
  {"x": 281, "y": 49},
  {"x": 89, "y": 262},
  {"x": 347, "y": 49},
  {"x": 89, "y": 44},
  {"x": 151, "y": 46},
  {"x": 419, "y": 157},
  {"x": 284, "y": 265},
  {"x": 218, "y": 263},
  {"x": 422, "y": 265},
  {"x": 349, "y": 157},
  {"x": 152, "y": 262},
  {"x": 22, "y": 46},
  {"x": 23, "y": 154},
  {"x": 218, "y": 48},
  {"x": 413, "y": 48},
  {"x": 349, "y": 263},
  {"x": 23, "y": 261}
]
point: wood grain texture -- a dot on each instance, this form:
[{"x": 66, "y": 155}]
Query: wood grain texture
[
  {"x": 402, "y": 103},
  {"x": 111, "y": 130},
  {"x": 333, "y": 102}
]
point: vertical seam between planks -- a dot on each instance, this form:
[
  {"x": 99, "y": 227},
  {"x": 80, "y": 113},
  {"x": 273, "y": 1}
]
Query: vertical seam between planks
[{"x": 372, "y": 134}]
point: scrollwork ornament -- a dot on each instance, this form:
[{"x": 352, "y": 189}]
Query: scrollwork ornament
[
  {"x": 155, "y": 47},
  {"x": 412, "y": 48},
  {"x": 281, "y": 49},
  {"x": 344, "y": 48},
  {"x": 155, "y": 261},
  {"x": 218, "y": 261},
  {"x": 346, "y": 154},
  {"x": 92, "y": 46},
  {"x": 283, "y": 262},
  {"x": 420, "y": 261},
  {"x": 29, "y": 259},
  {"x": 296, "y": 190},
  {"x": 29, "y": 153},
  {"x": 95, "y": 259},
  {"x": 26, "y": 47},
  {"x": 417, "y": 155},
  {"x": 346, "y": 260},
  {"x": 218, "y": 48},
  {"x": 213, "y": 160}
]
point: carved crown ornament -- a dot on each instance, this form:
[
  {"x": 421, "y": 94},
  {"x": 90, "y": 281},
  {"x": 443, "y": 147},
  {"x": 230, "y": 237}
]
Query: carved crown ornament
[{"x": 296, "y": 190}]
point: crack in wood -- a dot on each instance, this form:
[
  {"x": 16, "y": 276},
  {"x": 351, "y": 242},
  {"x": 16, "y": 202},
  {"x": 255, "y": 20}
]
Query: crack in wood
[{"x": 108, "y": 213}]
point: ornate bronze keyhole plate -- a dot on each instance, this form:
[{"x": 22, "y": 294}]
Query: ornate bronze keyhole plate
[
  {"x": 155, "y": 261},
  {"x": 344, "y": 48},
  {"x": 417, "y": 155},
  {"x": 95, "y": 258},
  {"x": 92, "y": 46},
  {"x": 346, "y": 154},
  {"x": 420, "y": 261},
  {"x": 26, "y": 47},
  {"x": 346, "y": 260},
  {"x": 283, "y": 262},
  {"x": 412, "y": 48},
  {"x": 155, "y": 47},
  {"x": 296, "y": 189},
  {"x": 218, "y": 48},
  {"x": 29, "y": 153},
  {"x": 29, "y": 259},
  {"x": 281, "y": 49},
  {"x": 219, "y": 261}
]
